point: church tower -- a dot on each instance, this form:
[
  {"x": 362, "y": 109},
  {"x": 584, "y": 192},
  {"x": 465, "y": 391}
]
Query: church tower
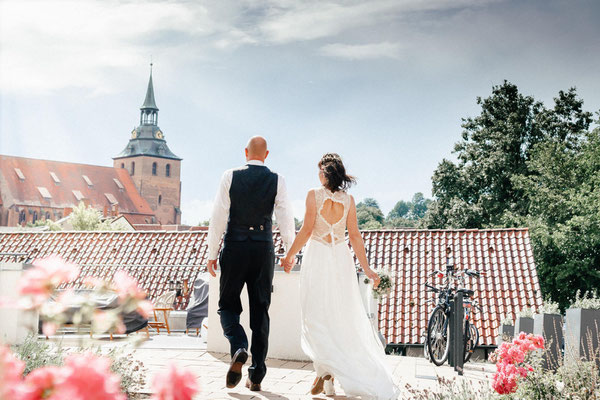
[{"x": 154, "y": 169}]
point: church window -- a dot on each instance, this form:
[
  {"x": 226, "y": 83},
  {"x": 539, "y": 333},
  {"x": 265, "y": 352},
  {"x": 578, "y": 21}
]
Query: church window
[
  {"x": 159, "y": 199},
  {"x": 154, "y": 168},
  {"x": 34, "y": 217},
  {"x": 47, "y": 215},
  {"x": 133, "y": 168},
  {"x": 122, "y": 165},
  {"x": 22, "y": 217},
  {"x": 168, "y": 170}
]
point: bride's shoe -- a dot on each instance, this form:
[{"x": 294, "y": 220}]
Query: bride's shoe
[
  {"x": 317, "y": 386},
  {"x": 328, "y": 387}
]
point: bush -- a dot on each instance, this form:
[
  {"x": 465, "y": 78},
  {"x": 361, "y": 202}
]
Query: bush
[
  {"x": 36, "y": 353},
  {"x": 589, "y": 301}
]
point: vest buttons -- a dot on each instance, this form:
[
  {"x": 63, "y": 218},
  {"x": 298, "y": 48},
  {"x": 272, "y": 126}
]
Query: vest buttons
[
  {"x": 262, "y": 228},
  {"x": 251, "y": 228}
]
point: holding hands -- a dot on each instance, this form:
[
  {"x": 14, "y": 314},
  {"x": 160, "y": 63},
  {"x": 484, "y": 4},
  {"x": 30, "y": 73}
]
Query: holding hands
[{"x": 288, "y": 262}]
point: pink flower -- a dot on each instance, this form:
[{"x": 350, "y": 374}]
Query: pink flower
[
  {"x": 88, "y": 377},
  {"x": 42, "y": 382},
  {"x": 11, "y": 372},
  {"x": 48, "y": 273},
  {"x": 174, "y": 385},
  {"x": 144, "y": 308},
  {"x": 127, "y": 287},
  {"x": 538, "y": 341},
  {"x": 49, "y": 328}
]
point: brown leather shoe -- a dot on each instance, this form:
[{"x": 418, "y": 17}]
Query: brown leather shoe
[
  {"x": 254, "y": 387},
  {"x": 234, "y": 375},
  {"x": 317, "y": 386}
]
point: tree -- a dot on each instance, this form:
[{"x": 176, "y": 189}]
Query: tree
[
  {"x": 477, "y": 190},
  {"x": 369, "y": 214},
  {"x": 87, "y": 218},
  {"x": 407, "y": 214},
  {"x": 521, "y": 164}
]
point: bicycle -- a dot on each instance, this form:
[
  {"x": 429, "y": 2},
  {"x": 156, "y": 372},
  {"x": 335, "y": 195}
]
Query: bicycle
[{"x": 438, "y": 330}]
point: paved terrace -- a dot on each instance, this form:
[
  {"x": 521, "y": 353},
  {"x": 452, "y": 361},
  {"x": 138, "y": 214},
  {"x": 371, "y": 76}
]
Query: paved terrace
[{"x": 284, "y": 380}]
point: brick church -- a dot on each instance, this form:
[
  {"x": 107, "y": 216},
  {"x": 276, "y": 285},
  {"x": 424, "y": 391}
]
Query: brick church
[{"x": 143, "y": 185}]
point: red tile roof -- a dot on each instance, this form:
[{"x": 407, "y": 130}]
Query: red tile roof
[
  {"x": 155, "y": 258},
  {"x": 25, "y": 192}
]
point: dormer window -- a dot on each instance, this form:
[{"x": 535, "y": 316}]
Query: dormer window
[
  {"x": 54, "y": 177},
  {"x": 111, "y": 199},
  {"x": 87, "y": 180},
  {"x": 78, "y": 195},
  {"x": 44, "y": 192},
  {"x": 119, "y": 184},
  {"x": 20, "y": 174}
]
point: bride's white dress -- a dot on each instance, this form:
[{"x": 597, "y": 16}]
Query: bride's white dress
[{"x": 336, "y": 332}]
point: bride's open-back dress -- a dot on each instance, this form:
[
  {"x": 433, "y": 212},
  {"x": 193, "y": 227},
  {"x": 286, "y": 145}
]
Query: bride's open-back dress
[{"x": 336, "y": 332}]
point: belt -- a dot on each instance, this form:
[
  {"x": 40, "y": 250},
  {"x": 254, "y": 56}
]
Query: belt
[{"x": 262, "y": 227}]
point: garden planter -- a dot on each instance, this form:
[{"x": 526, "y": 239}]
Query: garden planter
[
  {"x": 505, "y": 334},
  {"x": 523, "y": 324},
  {"x": 582, "y": 335},
  {"x": 550, "y": 327}
]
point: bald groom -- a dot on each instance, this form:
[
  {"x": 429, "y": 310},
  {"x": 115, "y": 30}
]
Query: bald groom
[{"x": 243, "y": 210}]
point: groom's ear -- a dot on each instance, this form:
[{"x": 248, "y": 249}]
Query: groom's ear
[
  {"x": 246, "y": 152},
  {"x": 266, "y": 154}
]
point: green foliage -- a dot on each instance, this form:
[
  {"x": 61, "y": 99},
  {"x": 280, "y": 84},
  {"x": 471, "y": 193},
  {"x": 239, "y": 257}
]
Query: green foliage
[
  {"x": 52, "y": 226},
  {"x": 522, "y": 164},
  {"x": 369, "y": 214},
  {"x": 87, "y": 218},
  {"x": 589, "y": 301},
  {"x": 39, "y": 353},
  {"x": 453, "y": 389},
  {"x": 36, "y": 353},
  {"x": 407, "y": 214}
]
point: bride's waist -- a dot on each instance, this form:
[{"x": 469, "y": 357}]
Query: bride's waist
[{"x": 316, "y": 239}]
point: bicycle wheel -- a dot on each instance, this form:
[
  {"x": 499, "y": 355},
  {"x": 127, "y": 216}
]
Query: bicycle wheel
[
  {"x": 471, "y": 340},
  {"x": 437, "y": 336}
]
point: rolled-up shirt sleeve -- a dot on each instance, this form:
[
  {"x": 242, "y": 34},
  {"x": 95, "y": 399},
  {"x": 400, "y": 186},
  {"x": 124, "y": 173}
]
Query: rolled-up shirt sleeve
[
  {"x": 220, "y": 215},
  {"x": 284, "y": 214}
]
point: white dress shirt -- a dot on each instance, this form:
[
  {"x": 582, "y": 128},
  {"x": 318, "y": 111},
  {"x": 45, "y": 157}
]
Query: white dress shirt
[{"x": 220, "y": 214}]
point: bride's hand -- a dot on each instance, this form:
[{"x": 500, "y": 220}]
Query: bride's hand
[
  {"x": 374, "y": 276},
  {"x": 287, "y": 263}
]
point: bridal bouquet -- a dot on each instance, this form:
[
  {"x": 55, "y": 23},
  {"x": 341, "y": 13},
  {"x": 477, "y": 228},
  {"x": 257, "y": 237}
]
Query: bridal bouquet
[{"x": 385, "y": 284}]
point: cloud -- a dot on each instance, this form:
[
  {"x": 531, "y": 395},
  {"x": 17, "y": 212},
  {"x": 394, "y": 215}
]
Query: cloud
[{"x": 361, "y": 51}]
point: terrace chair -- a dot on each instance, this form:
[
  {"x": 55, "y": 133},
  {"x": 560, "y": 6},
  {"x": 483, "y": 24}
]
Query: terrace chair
[{"x": 162, "y": 308}]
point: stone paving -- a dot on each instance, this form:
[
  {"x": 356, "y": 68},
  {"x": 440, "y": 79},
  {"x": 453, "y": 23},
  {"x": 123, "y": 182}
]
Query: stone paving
[{"x": 285, "y": 379}]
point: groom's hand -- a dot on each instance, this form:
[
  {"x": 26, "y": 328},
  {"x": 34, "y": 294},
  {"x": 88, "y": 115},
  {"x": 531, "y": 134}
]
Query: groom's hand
[{"x": 212, "y": 267}]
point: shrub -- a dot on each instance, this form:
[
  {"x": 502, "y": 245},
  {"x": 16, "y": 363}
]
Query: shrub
[
  {"x": 549, "y": 307},
  {"x": 588, "y": 301},
  {"x": 36, "y": 353},
  {"x": 525, "y": 313}
]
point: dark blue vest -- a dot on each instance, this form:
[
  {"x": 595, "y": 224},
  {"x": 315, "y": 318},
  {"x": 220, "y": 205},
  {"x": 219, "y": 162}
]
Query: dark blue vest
[{"x": 252, "y": 193}]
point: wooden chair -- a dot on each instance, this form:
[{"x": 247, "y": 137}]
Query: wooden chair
[{"x": 162, "y": 308}]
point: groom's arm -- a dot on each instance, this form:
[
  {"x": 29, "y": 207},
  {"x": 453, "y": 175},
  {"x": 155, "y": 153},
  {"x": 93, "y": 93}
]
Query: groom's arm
[
  {"x": 218, "y": 221},
  {"x": 284, "y": 214}
]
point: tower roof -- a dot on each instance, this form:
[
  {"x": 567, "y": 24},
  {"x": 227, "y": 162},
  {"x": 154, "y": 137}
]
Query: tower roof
[{"x": 149, "y": 102}]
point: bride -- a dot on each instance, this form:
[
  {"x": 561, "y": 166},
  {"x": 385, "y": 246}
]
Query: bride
[{"x": 336, "y": 333}]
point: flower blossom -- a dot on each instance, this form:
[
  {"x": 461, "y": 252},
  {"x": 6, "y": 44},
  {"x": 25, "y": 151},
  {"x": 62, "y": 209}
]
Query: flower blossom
[
  {"x": 174, "y": 384},
  {"x": 46, "y": 275},
  {"x": 127, "y": 287},
  {"x": 11, "y": 370}
]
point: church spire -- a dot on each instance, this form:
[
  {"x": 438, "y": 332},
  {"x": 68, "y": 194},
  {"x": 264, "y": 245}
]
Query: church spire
[
  {"x": 149, "y": 114},
  {"x": 149, "y": 102}
]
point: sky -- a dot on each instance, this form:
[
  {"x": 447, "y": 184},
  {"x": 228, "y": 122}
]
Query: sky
[{"x": 383, "y": 83}]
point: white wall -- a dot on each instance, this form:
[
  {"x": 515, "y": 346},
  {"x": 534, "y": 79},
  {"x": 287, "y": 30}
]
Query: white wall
[
  {"x": 284, "y": 336},
  {"x": 15, "y": 324}
]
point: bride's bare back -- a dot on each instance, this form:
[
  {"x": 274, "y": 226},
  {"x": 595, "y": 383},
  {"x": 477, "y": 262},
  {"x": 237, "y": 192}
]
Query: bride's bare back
[{"x": 332, "y": 212}]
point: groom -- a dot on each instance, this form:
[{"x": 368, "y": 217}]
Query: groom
[{"x": 243, "y": 208}]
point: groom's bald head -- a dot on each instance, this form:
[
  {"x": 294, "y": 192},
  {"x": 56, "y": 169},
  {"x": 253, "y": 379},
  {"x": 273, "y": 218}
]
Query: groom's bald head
[{"x": 256, "y": 149}]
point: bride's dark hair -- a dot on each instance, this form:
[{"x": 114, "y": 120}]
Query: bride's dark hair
[{"x": 335, "y": 173}]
